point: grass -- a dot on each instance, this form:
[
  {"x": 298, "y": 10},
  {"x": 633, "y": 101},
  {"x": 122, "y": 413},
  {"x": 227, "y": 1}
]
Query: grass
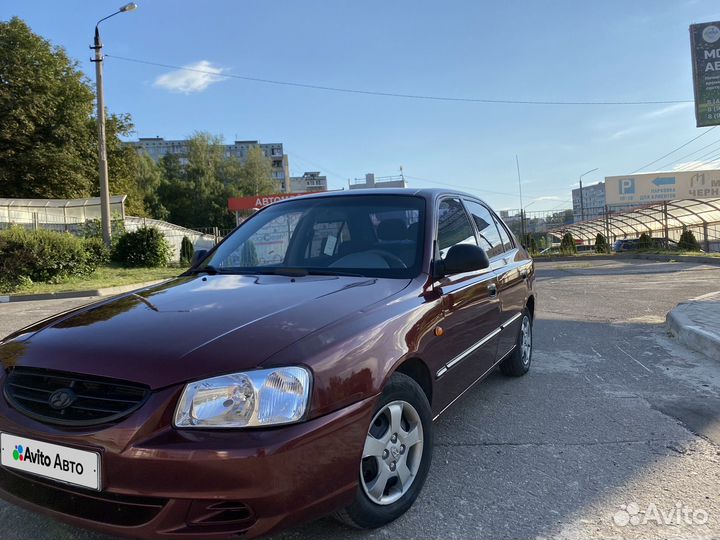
[{"x": 105, "y": 276}]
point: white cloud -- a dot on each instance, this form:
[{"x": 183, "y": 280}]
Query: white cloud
[
  {"x": 642, "y": 123},
  {"x": 191, "y": 78},
  {"x": 665, "y": 111}
]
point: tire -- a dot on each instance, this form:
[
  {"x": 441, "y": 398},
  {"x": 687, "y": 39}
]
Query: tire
[
  {"x": 374, "y": 506},
  {"x": 518, "y": 363}
]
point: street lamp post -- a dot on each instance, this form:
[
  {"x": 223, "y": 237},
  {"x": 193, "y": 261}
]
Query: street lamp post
[
  {"x": 102, "y": 149},
  {"x": 582, "y": 194}
]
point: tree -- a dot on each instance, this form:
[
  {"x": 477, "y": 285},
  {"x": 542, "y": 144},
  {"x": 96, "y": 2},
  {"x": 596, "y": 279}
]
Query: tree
[
  {"x": 256, "y": 174},
  {"x": 46, "y": 149},
  {"x": 195, "y": 194},
  {"x": 149, "y": 177},
  {"x": 688, "y": 242},
  {"x": 601, "y": 244},
  {"x": 644, "y": 242},
  {"x": 531, "y": 244},
  {"x": 186, "y": 251},
  {"x": 124, "y": 165},
  {"x": 48, "y": 136},
  {"x": 567, "y": 245}
]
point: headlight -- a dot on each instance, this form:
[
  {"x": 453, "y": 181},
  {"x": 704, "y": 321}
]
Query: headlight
[{"x": 262, "y": 397}]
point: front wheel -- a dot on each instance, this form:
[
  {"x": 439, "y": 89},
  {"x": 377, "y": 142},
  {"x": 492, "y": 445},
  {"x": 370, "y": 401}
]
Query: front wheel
[
  {"x": 518, "y": 363},
  {"x": 396, "y": 456}
]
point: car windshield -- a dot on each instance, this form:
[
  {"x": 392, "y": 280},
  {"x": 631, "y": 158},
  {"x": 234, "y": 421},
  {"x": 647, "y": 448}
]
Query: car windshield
[{"x": 373, "y": 236}]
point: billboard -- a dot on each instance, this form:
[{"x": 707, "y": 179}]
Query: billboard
[
  {"x": 705, "y": 48},
  {"x": 259, "y": 201},
  {"x": 639, "y": 189}
]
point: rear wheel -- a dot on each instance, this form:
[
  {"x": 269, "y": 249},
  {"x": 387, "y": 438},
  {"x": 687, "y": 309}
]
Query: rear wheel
[
  {"x": 396, "y": 456},
  {"x": 518, "y": 363}
]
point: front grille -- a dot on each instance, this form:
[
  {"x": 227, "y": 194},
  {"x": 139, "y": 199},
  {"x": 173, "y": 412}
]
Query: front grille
[
  {"x": 124, "y": 510},
  {"x": 88, "y": 400}
]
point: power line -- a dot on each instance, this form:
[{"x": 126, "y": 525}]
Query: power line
[
  {"x": 678, "y": 160},
  {"x": 699, "y": 160},
  {"x": 322, "y": 168},
  {"x": 459, "y": 186},
  {"x": 394, "y": 94},
  {"x": 692, "y": 166},
  {"x": 675, "y": 150}
]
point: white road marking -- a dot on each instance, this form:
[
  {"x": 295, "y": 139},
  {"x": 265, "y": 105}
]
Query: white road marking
[{"x": 633, "y": 359}]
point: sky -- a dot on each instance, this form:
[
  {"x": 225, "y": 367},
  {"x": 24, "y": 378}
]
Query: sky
[{"x": 562, "y": 50}]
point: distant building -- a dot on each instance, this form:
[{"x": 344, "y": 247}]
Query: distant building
[
  {"x": 308, "y": 182},
  {"x": 381, "y": 182},
  {"x": 593, "y": 202},
  {"x": 157, "y": 147}
]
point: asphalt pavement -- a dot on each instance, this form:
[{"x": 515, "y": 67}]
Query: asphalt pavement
[{"x": 614, "y": 433}]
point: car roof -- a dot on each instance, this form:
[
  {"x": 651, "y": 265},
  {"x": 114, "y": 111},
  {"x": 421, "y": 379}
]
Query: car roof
[{"x": 427, "y": 193}]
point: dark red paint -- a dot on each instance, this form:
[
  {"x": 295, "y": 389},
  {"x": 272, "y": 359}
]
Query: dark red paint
[{"x": 352, "y": 332}]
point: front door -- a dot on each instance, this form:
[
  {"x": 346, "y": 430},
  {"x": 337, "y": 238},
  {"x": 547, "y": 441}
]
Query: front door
[{"x": 470, "y": 323}]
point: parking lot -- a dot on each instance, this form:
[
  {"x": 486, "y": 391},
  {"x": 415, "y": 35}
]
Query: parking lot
[{"x": 615, "y": 432}]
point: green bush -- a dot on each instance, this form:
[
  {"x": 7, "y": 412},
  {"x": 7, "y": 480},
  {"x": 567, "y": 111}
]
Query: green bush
[
  {"x": 567, "y": 245},
  {"x": 96, "y": 251},
  {"x": 601, "y": 244},
  {"x": 688, "y": 242},
  {"x": 531, "y": 244},
  {"x": 186, "y": 251},
  {"x": 146, "y": 247},
  {"x": 644, "y": 242},
  {"x": 45, "y": 256}
]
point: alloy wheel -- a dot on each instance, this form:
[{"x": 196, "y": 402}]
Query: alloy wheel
[
  {"x": 392, "y": 453},
  {"x": 526, "y": 340}
]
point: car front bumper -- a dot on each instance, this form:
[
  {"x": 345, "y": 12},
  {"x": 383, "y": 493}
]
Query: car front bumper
[{"x": 203, "y": 484}]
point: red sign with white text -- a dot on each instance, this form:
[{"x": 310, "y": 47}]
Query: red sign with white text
[{"x": 260, "y": 201}]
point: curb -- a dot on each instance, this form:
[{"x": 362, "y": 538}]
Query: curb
[
  {"x": 106, "y": 291},
  {"x": 677, "y": 258},
  {"x": 690, "y": 334}
]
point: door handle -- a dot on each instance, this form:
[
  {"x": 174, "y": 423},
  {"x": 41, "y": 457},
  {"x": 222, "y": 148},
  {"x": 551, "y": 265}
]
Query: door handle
[{"x": 492, "y": 289}]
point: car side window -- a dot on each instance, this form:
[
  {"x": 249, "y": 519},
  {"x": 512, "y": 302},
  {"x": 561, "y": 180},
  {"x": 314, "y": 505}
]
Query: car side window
[
  {"x": 488, "y": 234},
  {"x": 454, "y": 227},
  {"x": 504, "y": 236}
]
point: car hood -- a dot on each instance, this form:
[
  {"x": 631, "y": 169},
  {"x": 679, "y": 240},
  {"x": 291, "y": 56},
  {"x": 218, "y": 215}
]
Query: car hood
[{"x": 193, "y": 327}]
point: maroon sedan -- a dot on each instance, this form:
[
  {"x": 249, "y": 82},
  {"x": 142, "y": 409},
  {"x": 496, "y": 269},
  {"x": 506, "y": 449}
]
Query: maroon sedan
[{"x": 294, "y": 371}]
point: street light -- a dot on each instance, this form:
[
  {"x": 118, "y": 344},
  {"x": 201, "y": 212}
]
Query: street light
[
  {"x": 102, "y": 150},
  {"x": 582, "y": 194}
]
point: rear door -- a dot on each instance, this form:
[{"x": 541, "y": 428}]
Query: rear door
[{"x": 511, "y": 266}]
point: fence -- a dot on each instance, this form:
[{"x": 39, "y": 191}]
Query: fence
[
  {"x": 174, "y": 233},
  {"x": 34, "y": 219},
  {"x": 665, "y": 220}
]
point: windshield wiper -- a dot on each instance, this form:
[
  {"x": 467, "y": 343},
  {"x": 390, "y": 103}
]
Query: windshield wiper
[
  {"x": 302, "y": 272},
  {"x": 328, "y": 272}
]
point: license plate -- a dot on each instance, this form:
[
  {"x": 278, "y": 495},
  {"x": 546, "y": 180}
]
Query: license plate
[{"x": 62, "y": 463}]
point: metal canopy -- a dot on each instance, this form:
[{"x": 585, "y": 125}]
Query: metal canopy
[{"x": 653, "y": 219}]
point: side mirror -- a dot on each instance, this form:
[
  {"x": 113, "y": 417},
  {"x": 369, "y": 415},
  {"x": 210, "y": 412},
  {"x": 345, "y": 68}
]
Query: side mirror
[
  {"x": 198, "y": 255},
  {"x": 464, "y": 258}
]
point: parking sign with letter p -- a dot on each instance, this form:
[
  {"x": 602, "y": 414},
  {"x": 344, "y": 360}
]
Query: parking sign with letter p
[{"x": 627, "y": 186}]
